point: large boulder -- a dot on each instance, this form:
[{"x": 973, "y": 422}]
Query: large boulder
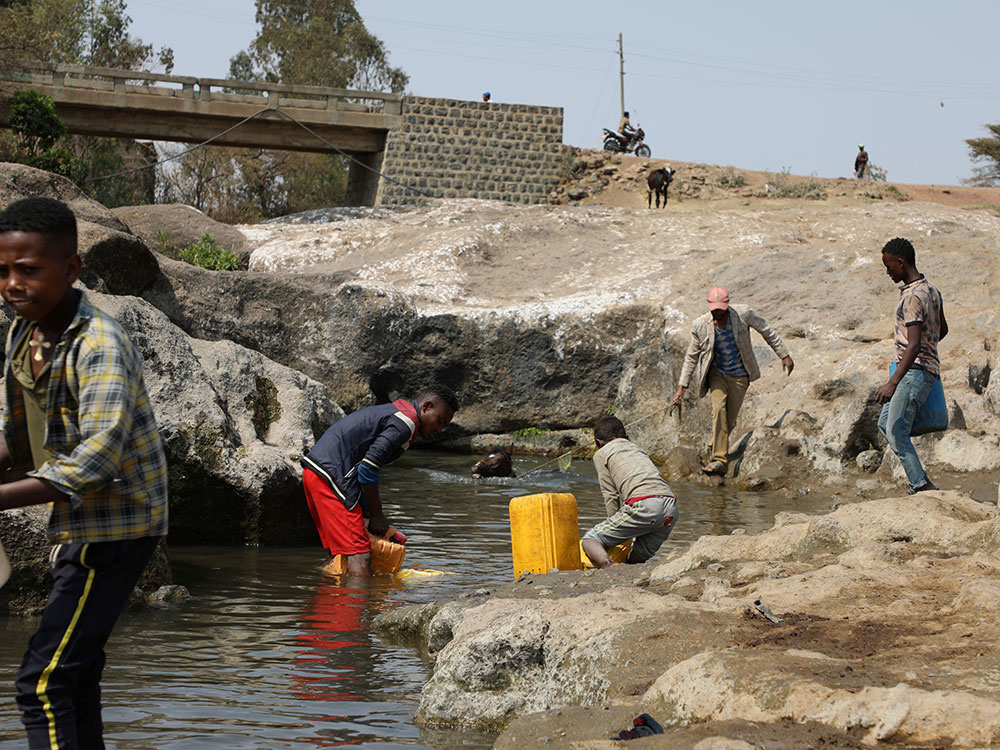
[
  {"x": 114, "y": 260},
  {"x": 234, "y": 424},
  {"x": 18, "y": 181},
  {"x": 177, "y": 225},
  {"x": 22, "y": 533},
  {"x": 367, "y": 345}
]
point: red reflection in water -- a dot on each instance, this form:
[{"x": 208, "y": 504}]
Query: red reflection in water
[
  {"x": 335, "y": 619},
  {"x": 331, "y": 621}
]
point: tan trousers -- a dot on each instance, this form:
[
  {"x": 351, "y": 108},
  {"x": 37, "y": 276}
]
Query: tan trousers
[{"x": 727, "y": 398}]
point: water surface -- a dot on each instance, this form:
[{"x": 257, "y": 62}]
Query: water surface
[{"x": 271, "y": 653}]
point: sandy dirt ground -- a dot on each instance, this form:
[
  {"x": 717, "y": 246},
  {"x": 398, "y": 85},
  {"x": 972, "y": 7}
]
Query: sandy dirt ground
[{"x": 626, "y": 186}]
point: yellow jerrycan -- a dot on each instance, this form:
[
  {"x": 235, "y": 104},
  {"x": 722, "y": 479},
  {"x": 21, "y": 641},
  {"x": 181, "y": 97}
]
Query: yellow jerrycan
[
  {"x": 544, "y": 533},
  {"x": 619, "y": 554}
]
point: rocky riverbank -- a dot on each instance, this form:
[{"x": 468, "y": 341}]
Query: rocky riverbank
[
  {"x": 542, "y": 318},
  {"x": 874, "y": 623}
]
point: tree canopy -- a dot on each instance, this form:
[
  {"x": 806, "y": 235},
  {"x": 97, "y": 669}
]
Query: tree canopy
[
  {"x": 317, "y": 43},
  {"x": 985, "y": 154},
  {"x": 89, "y": 32},
  {"x": 93, "y": 32}
]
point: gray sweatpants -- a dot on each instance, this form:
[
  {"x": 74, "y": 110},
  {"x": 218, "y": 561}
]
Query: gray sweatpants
[{"x": 649, "y": 521}]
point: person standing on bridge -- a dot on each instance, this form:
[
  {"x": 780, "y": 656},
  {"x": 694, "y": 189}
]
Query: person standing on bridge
[{"x": 722, "y": 355}]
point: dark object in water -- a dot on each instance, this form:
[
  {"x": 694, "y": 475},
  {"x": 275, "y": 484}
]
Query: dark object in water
[{"x": 496, "y": 464}]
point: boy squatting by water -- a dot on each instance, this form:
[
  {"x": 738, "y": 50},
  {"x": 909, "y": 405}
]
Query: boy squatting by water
[
  {"x": 340, "y": 475},
  {"x": 919, "y": 326},
  {"x": 79, "y": 433},
  {"x": 639, "y": 503}
]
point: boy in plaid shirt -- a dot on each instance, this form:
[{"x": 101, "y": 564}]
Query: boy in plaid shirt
[{"x": 78, "y": 433}]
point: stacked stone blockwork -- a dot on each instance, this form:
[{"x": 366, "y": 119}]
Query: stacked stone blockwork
[{"x": 457, "y": 149}]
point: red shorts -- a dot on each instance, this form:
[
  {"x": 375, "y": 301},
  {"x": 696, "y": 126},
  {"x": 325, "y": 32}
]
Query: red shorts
[{"x": 341, "y": 531}]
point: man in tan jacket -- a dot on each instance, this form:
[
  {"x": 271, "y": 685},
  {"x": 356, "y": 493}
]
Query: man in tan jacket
[{"x": 721, "y": 354}]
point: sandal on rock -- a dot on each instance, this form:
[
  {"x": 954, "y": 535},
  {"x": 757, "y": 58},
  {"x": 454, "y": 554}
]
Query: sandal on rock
[
  {"x": 643, "y": 725},
  {"x": 716, "y": 468}
]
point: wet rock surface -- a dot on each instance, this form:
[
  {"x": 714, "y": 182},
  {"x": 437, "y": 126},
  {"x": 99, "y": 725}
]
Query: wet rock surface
[{"x": 880, "y": 631}]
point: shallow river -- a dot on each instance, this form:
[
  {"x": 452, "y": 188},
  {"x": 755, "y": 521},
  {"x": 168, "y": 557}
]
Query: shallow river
[{"x": 270, "y": 653}]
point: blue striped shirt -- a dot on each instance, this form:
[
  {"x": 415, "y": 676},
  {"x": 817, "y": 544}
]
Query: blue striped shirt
[{"x": 727, "y": 358}]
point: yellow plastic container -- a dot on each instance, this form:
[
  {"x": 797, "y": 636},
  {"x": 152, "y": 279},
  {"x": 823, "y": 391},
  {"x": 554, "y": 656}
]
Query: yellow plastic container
[
  {"x": 387, "y": 557},
  {"x": 544, "y": 533},
  {"x": 619, "y": 554}
]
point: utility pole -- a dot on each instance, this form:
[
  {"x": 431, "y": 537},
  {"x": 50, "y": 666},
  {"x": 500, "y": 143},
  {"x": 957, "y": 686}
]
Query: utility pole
[{"x": 621, "y": 73}]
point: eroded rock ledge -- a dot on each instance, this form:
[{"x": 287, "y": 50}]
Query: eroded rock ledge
[{"x": 888, "y": 631}]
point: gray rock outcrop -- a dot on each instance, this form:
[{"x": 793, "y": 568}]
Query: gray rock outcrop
[
  {"x": 114, "y": 260},
  {"x": 234, "y": 425},
  {"x": 547, "y": 317},
  {"x": 177, "y": 225},
  {"x": 880, "y": 627}
]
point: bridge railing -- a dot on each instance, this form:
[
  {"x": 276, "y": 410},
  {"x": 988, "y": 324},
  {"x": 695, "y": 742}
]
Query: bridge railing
[{"x": 63, "y": 75}]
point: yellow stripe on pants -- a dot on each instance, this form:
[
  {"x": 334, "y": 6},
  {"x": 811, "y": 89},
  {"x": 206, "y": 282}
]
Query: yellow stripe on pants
[{"x": 43, "y": 681}]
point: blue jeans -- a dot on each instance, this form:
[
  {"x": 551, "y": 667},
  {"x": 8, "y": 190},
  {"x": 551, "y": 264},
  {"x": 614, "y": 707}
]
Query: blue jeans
[{"x": 897, "y": 419}]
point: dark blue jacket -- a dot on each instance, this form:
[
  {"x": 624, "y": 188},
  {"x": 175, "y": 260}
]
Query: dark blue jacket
[{"x": 375, "y": 435}]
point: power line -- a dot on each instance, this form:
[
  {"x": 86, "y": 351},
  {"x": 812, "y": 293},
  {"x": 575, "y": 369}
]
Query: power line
[{"x": 505, "y": 60}]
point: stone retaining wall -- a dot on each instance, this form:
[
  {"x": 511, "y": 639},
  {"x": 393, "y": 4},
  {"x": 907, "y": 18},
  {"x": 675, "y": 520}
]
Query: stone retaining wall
[{"x": 458, "y": 149}]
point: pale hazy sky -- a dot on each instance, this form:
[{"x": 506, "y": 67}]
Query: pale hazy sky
[{"x": 761, "y": 85}]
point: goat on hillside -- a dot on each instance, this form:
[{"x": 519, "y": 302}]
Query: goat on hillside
[{"x": 657, "y": 182}]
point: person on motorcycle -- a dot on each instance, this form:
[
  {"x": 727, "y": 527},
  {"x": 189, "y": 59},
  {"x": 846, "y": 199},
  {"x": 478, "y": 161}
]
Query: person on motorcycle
[{"x": 627, "y": 131}]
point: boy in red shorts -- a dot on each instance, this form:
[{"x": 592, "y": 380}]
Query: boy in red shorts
[{"x": 340, "y": 475}]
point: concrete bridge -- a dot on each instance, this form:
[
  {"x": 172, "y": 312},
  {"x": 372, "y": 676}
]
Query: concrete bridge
[
  {"x": 434, "y": 141},
  {"x": 151, "y": 106}
]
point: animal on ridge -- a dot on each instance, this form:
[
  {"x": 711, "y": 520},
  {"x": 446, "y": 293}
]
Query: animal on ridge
[{"x": 658, "y": 181}]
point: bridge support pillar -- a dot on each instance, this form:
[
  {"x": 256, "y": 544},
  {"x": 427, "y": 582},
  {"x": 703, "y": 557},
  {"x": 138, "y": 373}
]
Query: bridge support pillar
[{"x": 362, "y": 184}]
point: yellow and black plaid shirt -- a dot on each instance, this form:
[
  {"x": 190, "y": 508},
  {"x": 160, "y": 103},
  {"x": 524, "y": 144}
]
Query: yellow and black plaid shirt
[{"x": 108, "y": 458}]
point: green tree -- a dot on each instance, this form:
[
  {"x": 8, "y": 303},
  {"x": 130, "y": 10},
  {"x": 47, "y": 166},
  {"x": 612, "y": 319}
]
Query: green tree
[
  {"x": 320, "y": 43},
  {"x": 312, "y": 42},
  {"x": 37, "y": 129},
  {"x": 110, "y": 45},
  {"x": 41, "y": 141},
  {"x": 22, "y": 36},
  {"x": 86, "y": 32},
  {"x": 34, "y": 120},
  {"x": 985, "y": 154},
  {"x": 90, "y": 32}
]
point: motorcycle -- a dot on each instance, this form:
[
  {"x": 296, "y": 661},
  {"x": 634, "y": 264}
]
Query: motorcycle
[{"x": 614, "y": 141}]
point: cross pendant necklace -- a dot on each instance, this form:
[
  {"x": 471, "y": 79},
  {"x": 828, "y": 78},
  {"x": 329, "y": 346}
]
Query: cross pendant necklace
[{"x": 39, "y": 344}]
